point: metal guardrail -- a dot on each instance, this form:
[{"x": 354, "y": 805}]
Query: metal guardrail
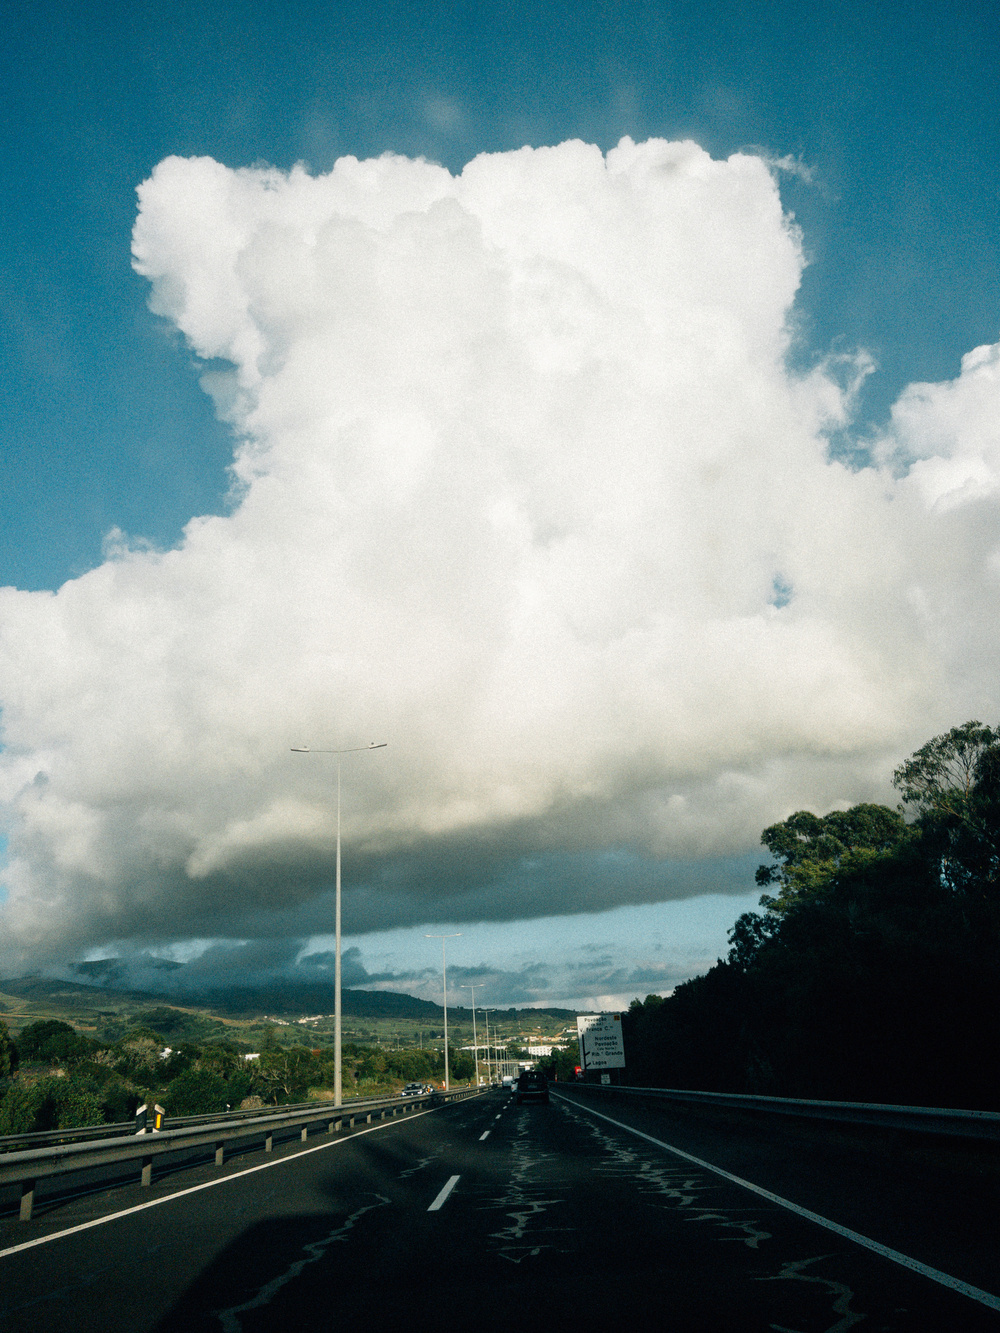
[
  {"x": 29, "y": 1166},
  {"x": 43, "y": 1138},
  {"x": 984, "y": 1125}
]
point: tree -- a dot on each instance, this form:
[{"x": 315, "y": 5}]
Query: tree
[
  {"x": 53, "y": 1041},
  {"x": 873, "y": 973},
  {"x": 748, "y": 936},
  {"x": 813, "y": 848},
  {"x": 943, "y": 774},
  {"x": 287, "y": 1073},
  {"x": 197, "y": 1092},
  {"x": 8, "y": 1052},
  {"x": 953, "y": 782},
  {"x": 460, "y": 1064},
  {"x": 561, "y": 1065}
]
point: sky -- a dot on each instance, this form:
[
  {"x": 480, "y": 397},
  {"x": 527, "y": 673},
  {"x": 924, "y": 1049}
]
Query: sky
[{"x": 595, "y": 402}]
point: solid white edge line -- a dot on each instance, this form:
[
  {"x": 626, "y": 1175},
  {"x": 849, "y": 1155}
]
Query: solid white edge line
[
  {"x": 453, "y": 1181},
  {"x": 945, "y": 1279},
  {"x": 210, "y": 1184},
  {"x": 484, "y": 1136}
]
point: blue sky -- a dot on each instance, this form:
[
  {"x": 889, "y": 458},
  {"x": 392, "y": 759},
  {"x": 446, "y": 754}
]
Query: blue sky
[{"x": 888, "y": 117}]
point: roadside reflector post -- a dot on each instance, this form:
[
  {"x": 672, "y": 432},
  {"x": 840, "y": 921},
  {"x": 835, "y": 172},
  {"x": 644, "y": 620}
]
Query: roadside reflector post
[
  {"x": 147, "y": 1171},
  {"x": 27, "y": 1199},
  {"x": 140, "y": 1118},
  {"x": 158, "y": 1117},
  {"x": 218, "y": 1153}
]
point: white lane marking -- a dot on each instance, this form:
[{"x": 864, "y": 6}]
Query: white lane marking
[
  {"x": 484, "y": 1136},
  {"x": 497, "y": 1116},
  {"x": 439, "y": 1201},
  {"x": 945, "y": 1279},
  {"x": 210, "y": 1184}
]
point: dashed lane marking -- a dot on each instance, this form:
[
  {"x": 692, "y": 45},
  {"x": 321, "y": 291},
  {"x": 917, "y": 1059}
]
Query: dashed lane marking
[
  {"x": 484, "y": 1136},
  {"x": 945, "y": 1279},
  {"x": 442, "y": 1197}
]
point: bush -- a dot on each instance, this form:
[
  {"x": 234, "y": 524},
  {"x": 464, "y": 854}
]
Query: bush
[
  {"x": 75, "y": 1106},
  {"x": 197, "y": 1092},
  {"x": 118, "y": 1102},
  {"x": 51, "y": 1103},
  {"x": 20, "y": 1108}
]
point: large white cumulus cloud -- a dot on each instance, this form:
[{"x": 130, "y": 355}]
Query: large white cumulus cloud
[{"x": 525, "y": 487}]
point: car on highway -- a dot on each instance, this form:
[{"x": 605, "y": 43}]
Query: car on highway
[
  {"x": 413, "y": 1090},
  {"x": 532, "y": 1086}
]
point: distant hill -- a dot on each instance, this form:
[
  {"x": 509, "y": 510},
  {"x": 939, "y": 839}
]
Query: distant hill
[
  {"x": 286, "y": 999},
  {"x": 310, "y": 997},
  {"x": 274, "y": 998}
]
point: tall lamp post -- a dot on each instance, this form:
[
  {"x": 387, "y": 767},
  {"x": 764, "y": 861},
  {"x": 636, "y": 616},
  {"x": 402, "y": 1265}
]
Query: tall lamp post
[
  {"x": 475, "y": 1043},
  {"x": 337, "y": 1024},
  {"x": 444, "y": 982},
  {"x": 489, "y": 1067}
]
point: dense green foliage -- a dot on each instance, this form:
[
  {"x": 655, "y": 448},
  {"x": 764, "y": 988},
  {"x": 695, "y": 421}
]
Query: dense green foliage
[
  {"x": 8, "y": 1052},
  {"x": 52, "y": 1077},
  {"x": 561, "y": 1065},
  {"x": 873, "y": 973}
]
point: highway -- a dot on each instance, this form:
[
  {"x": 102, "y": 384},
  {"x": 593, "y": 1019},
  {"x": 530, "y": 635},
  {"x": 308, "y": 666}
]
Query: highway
[{"x": 582, "y": 1214}]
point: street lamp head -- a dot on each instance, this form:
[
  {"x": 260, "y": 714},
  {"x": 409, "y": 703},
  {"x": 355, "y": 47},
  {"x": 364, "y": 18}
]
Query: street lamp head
[{"x": 300, "y": 749}]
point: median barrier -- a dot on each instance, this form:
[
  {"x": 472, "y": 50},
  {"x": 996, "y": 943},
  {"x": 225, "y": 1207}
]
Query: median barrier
[{"x": 29, "y": 1165}]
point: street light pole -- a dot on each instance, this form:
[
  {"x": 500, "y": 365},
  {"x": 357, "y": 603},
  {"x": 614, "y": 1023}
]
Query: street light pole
[
  {"x": 475, "y": 1043},
  {"x": 489, "y": 1068},
  {"x": 337, "y": 1015},
  {"x": 444, "y": 983}
]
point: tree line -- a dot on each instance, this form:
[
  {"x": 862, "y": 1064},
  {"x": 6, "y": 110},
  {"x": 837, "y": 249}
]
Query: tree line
[
  {"x": 54, "y": 1077},
  {"x": 871, "y": 971}
]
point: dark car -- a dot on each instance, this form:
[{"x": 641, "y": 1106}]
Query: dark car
[
  {"x": 532, "y": 1086},
  {"x": 413, "y": 1090}
]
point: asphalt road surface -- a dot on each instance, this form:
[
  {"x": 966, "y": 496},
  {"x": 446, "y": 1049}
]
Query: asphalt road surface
[{"x": 518, "y": 1218}]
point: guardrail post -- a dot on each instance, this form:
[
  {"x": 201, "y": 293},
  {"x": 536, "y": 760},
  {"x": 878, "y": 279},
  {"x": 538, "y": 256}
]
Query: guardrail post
[
  {"x": 350, "y": 1124},
  {"x": 269, "y": 1142},
  {"x": 218, "y": 1153},
  {"x": 368, "y": 1118},
  {"x": 305, "y": 1133},
  {"x": 147, "y": 1171},
  {"x": 27, "y": 1199}
]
